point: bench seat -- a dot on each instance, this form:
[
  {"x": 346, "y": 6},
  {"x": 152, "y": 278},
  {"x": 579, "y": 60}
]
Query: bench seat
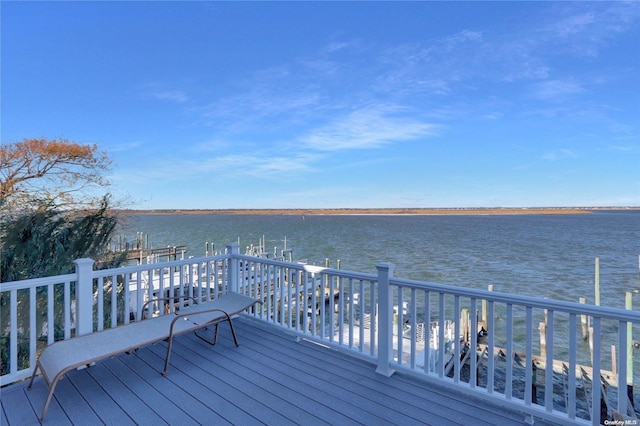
[{"x": 65, "y": 355}]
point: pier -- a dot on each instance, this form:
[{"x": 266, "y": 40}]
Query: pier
[
  {"x": 140, "y": 249},
  {"x": 157, "y": 254}
]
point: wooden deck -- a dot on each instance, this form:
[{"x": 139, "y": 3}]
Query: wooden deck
[{"x": 270, "y": 379}]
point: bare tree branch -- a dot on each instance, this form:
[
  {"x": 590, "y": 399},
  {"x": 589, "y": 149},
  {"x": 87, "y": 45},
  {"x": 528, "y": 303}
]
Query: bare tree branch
[{"x": 55, "y": 173}]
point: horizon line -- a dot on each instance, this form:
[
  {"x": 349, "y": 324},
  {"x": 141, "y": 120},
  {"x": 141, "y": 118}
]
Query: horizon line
[{"x": 380, "y": 210}]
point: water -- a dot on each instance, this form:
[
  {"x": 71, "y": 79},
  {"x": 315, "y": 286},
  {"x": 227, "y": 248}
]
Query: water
[{"x": 537, "y": 255}]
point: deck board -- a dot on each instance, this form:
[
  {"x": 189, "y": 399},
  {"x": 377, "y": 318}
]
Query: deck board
[
  {"x": 167, "y": 409},
  {"x": 135, "y": 405},
  {"x": 235, "y": 390},
  {"x": 379, "y": 390},
  {"x": 198, "y": 412},
  {"x": 16, "y": 407},
  {"x": 276, "y": 395},
  {"x": 272, "y": 378},
  {"x": 320, "y": 380},
  {"x": 191, "y": 388},
  {"x": 73, "y": 402},
  {"x": 93, "y": 394},
  {"x": 3, "y": 416},
  {"x": 283, "y": 391}
]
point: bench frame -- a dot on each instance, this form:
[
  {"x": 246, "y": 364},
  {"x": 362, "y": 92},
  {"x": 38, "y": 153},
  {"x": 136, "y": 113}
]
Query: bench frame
[{"x": 190, "y": 319}]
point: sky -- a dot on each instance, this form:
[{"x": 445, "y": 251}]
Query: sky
[{"x": 216, "y": 105}]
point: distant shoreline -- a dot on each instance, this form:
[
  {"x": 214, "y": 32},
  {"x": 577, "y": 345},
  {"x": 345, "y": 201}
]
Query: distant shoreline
[{"x": 383, "y": 211}]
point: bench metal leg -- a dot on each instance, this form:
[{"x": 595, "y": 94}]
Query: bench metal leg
[
  {"x": 51, "y": 386},
  {"x": 46, "y": 404},
  {"x": 166, "y": 359},
  {"x": 233, "y": 333},
  {"x": 33, "y": 376},
  {"x": 215, "y": 334},
  {"x": 170, "y": 340}
]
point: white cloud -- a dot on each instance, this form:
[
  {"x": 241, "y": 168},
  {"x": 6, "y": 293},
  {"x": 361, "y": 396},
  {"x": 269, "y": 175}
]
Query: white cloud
[
  {"x": 574, "y": 24},
  {"x": 627, "y": 149},
  {"x": 560, "y": 154},
  {"x": 125, "y": 146},
  {"x": 336, "y": 46},
  {"x": 255, "y": 108},
  {"x": 583, "y": 29},
  {"x": 177, "y": 96},
  {"x": 367, "y": 128},
  {"x": 464, "y": 36},
  {"x": 556, "y": 89},
  {"x": 261, "y": 164}
]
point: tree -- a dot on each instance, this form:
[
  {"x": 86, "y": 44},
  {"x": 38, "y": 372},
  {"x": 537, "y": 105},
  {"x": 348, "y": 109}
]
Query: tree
[
  {"x": 46, "y": 242},
  {"x": 53, "y": 210},
  {"x": 50, "y": 214},
  {"x": 42, "y": 173}
]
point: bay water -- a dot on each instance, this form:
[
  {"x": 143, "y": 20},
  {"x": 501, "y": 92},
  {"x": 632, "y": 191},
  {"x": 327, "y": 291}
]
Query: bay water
[{"x": 549, "y": 256}]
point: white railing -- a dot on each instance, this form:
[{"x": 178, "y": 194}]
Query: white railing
[
  {"x": 510, "y": 364},
  {"x": 37, "y": 312},
  {"x": 427, "y": 330},
  {"x": 331, "y": 306},
  {"x": 35, "y": 299}
]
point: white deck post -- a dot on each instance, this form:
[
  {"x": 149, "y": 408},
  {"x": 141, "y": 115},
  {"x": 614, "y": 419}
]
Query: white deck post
[
  {"x": 385, "y": 319},
  {"x": 84, "y": 296},
  {"x": 234, "y": 268}
]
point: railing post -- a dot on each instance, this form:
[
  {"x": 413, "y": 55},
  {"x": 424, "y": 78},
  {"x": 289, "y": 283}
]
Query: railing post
[
  {"x": 84, "y": 296},
  {"x": 385, "y": 319},
  {"x": 234, "y": 268}
]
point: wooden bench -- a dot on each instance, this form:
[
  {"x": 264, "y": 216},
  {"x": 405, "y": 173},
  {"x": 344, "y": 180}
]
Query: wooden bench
[{"x": 65, "y": 355}]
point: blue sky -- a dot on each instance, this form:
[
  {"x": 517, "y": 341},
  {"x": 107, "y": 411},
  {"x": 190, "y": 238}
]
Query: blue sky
[{"x": 335, "y": 104}]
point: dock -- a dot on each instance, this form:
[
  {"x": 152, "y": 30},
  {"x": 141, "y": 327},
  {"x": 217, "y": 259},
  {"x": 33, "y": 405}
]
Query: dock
[{"x": 170, "y": 253}]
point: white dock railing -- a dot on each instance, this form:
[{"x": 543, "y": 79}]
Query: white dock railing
[{"x": 428, "y": 330}]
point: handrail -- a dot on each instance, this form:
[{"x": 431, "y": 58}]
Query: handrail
[
  {"x": 147, "y": 266},
  {"x": 534, "y": 302},
  {"x": 36, "y": 282},
  {"x": 309, "y": 268}
]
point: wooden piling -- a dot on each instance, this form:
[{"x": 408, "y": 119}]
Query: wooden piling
[
  {"x": 464, "y": 320},
  {"x": 591, "y": 343},
  {"x": 485, "y": 315},
  {"x": 597, "y": 281},
  {"x": 583, "y": 320},
  {"x": 326, "y": 277},
  {"x": 614, "y": 360},
  {"x": 543, "y": 339},
  {"x": 628, "y": 305},
  {"x": 543, "y": 334},
  {"x": 534, "y": 381}
]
